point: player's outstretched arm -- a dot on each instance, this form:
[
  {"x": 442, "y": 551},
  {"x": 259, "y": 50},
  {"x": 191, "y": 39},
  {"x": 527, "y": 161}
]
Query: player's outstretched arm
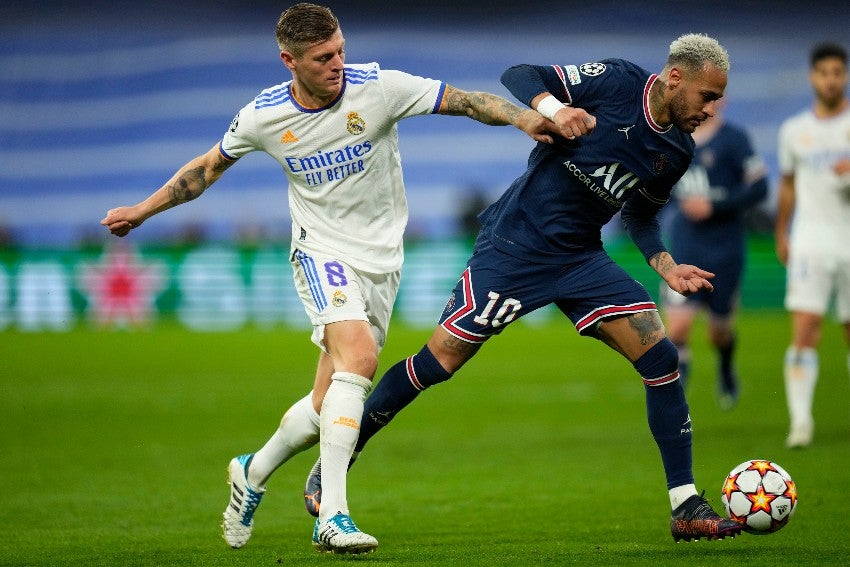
[
  {"x": 496, "y": 111},
  {"x": 187, "y": 184},
  {"x": 682, "y": 278}
]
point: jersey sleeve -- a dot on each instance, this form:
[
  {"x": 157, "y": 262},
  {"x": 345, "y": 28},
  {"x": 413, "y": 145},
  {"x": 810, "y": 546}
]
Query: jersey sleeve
[
  {"x": 241, "y": 137},
  {"x": 639, "y": 216},
  {"x": 785, "y": 152},
  {"x": 582, "y": 86},
  {"x": 410, "y": 95}
]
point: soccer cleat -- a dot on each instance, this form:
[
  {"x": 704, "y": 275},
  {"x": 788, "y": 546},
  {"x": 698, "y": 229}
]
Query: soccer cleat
[
  {"x": 800, "y": 435},
  {"x": 695, "y": 519},
  {"x": 239, "y": 515},
  {"x": 313, "y": 489},
  {"x": 339, "y": 535}
]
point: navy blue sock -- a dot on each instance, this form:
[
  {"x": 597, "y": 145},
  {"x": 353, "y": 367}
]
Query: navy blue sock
[
  {"x": 396, "y": 389},
  {"x": 726, "y": 353},
  {"x": 667, "y": 411},
  {"x": 684, "y": 352}
]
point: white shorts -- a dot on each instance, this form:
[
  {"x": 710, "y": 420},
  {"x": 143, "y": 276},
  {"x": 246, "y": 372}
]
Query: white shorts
[
  {"x": 811, "y": 282},
  {"x": 332, "y": 291}
]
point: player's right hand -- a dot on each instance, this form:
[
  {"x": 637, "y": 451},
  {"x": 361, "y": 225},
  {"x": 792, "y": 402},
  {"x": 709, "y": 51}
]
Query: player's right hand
[{"x": 574, "y": 122}]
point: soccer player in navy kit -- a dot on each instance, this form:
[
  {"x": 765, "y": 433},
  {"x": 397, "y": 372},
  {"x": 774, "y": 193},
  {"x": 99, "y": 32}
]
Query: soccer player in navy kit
[
  {"x": 708, "y": 225},
  {"x": 625, "y": 142}
]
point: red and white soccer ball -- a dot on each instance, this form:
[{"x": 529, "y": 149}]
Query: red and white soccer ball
[{"x": 761, "y": 495}]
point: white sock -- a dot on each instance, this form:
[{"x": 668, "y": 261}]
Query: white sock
[
  {"x": 679, "y": 494},
  {"x": 801, "y": 376},
  {"x": 298, "y": 431},
  {"x": 342, "y": 409}
]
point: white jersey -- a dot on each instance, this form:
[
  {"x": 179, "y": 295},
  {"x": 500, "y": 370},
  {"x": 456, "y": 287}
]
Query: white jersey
[
  {"x": 808, "y": 148},
  {"x": 346, "y": 192}
]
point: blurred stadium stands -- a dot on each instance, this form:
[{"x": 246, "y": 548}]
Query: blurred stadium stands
[{"x": 102, "y": 101}]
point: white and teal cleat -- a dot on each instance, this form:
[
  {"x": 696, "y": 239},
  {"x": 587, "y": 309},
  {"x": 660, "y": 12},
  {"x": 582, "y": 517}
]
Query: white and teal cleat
[
  {"x": 339, "y": 534},
  {"x": 238, "y": 519}
]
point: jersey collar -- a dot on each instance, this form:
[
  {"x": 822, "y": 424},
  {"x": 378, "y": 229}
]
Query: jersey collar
[{"x": 646, "y": 113}]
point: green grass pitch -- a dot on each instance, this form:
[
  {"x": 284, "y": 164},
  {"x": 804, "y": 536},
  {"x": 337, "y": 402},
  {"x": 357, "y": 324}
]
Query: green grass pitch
[{"x": 114, "y": 447}]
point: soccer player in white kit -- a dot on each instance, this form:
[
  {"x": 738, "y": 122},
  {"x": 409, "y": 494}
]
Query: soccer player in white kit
[
  {"x": 333, "y": 130},
  {"x": 814, "y": 159}
]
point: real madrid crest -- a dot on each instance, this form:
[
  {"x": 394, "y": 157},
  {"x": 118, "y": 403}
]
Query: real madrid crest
[
  {"x": 338, "y": 299},
  {"x": 355, "y": 124}
]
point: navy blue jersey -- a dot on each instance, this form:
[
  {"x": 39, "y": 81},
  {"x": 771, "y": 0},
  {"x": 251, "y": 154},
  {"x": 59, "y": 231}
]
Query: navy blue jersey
[
  {"x": 573, "y": 187},
  {"x": 728, "y": 172}
]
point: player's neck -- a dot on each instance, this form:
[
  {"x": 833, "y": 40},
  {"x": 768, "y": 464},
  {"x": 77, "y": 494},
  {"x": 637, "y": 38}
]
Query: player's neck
[
  {"x": 827, "y": 109},
  {"x": 657, "y": 108},
  {"x": 309, "y": 99}
]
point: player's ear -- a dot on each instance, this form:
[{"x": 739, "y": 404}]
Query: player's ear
[
  {"x": 674, "y": 77},
  {"x": 287, "y": 59}
]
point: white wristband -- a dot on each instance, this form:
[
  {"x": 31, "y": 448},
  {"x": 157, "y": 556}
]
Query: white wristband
[{"x": 549, "y": 106}]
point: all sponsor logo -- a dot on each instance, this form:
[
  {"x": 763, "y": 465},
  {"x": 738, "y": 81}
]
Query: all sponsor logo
[{"x": 573, "y": 75}]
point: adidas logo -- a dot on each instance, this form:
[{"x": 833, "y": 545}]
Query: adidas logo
[{"x": 288, "y": 137}]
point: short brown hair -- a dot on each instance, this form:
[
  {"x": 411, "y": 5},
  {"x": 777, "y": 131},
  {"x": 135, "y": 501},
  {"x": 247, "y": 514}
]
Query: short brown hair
[{"x": 303, "y": 25}]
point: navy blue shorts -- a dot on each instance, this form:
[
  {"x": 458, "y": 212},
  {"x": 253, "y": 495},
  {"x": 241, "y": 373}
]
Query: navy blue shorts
[
  {"x": 497, "y": 289},
  {"x": 726, "y": 281}
]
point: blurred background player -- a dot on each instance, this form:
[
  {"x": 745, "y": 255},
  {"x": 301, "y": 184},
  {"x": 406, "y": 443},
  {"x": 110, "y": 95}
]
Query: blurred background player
[
  {"x": 708, "y": 226},
  {"x": 814, "y": 189},
  {"x": 624, "y": 143},
  {"x": 333, "y": 129}
]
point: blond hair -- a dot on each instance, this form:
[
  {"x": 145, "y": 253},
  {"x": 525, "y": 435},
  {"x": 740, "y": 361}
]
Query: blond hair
[{"x": 694, "y": 50}]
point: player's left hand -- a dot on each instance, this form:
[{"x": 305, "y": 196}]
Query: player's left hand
[{"x": 687, "y": 279}]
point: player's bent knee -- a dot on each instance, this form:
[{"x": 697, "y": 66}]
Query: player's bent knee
[
  {"x": 660, "y": 364},
  {"x": 428, "y": 368}
]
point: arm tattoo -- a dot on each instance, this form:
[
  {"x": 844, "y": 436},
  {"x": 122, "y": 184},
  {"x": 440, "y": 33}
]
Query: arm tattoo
[
  {"x": 662, "y": 262},
  {"x": 221, "y": 166},
  {"x": 648, "y": 326},
  {"x": 189, "y": 185},
  {"x": 483, "y": 107}
]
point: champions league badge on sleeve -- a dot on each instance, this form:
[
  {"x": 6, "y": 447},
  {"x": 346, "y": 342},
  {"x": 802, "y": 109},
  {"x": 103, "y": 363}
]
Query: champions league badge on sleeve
[{"x": 592, "y": 69}]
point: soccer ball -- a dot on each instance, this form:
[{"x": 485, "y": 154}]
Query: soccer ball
[{"x": 760, "y": 495}]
